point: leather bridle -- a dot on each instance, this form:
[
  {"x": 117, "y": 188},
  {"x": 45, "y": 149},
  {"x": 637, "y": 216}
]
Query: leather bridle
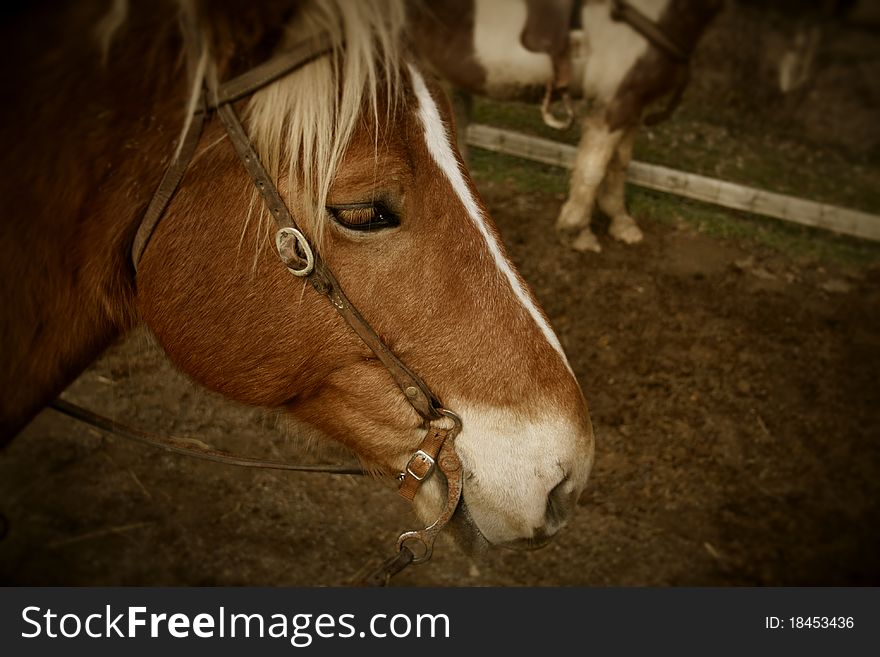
[{"x": 437, "y": 449}]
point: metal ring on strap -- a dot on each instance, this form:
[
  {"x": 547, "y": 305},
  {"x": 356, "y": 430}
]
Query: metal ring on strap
[{"x": 295, "y": 250}]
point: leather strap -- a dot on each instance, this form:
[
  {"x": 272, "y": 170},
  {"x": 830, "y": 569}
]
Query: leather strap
[
  {"x": 167, "y": 186},
  {"x": 258, "y": 77},
  {"x": 450, "y": 465},
  {"x": 438, "y": 441},
  {"x": 422, "y": 463},
  {"x": 414, "y": 389},
  {"x": 411, "y": 385},
  {"x": 625, "y": 12},
  {"x": 232, "y": 90},
  {"x": 193, "y": 448}
]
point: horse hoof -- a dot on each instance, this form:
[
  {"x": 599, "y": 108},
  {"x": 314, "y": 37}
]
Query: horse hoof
[
  {"x": 625, "y": 230},
  {"x": 571, "y": 220},
  {"x": 586, "y": 241}
]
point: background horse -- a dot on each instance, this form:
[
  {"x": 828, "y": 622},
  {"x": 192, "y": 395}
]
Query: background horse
[
  {"x": 362, "y": 148},
  {"x": 514, "y": 49}
]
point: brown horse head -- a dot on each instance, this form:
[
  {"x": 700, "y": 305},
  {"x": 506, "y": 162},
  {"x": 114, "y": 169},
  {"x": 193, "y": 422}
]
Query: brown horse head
[{"x": 362, "y": 147}]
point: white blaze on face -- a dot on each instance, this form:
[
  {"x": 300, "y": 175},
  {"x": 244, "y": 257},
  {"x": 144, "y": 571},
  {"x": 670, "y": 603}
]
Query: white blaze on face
[
  {"x": 437, "y": 140},
  {"x": 512, "y": 462}
]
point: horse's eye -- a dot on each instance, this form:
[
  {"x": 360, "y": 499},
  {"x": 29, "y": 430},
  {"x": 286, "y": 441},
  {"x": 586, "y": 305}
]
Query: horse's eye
[{"x": 364, "y": 216}]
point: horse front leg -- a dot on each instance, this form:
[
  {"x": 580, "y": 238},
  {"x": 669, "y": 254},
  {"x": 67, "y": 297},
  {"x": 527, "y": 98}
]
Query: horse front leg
[
  {"x": 612, "y": 193},
  {"x": 595, "y": 150}
]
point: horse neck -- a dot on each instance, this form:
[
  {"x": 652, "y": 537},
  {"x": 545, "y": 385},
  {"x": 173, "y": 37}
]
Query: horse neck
[{"x": 86, "y": 146}]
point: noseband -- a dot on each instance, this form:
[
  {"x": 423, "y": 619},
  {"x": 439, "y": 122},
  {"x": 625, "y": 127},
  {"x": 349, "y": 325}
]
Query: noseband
[{"x": 437, "y": 449}]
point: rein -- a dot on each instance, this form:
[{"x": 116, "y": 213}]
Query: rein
[
  {"x": 437, "y": 450},
  {"x": 190, "y": 447},
  {"x": 624, "y": 12}
]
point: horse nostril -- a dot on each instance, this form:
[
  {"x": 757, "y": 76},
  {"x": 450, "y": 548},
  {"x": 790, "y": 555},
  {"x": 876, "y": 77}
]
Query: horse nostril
[{"x": 558, "y": 503}]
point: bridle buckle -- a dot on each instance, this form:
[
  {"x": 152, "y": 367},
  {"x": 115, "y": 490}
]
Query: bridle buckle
[{"x": 420, "y": 466}]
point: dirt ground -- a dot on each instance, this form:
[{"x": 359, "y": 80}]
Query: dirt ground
[
  {"x": 732, "y": 386},
  {"x": 732, "y": 389}
]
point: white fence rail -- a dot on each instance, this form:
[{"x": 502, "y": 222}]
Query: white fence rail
[{"x": 689, "y": 185}]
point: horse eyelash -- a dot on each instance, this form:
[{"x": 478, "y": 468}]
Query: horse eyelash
[
  {"x": 359, "y": 215},
  {"x": 364, "y": 216}
]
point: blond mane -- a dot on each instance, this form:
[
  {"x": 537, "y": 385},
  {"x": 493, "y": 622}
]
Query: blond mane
[
  {"x": 306, "y": 120},
  {"x": 302, "y": 124}
]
